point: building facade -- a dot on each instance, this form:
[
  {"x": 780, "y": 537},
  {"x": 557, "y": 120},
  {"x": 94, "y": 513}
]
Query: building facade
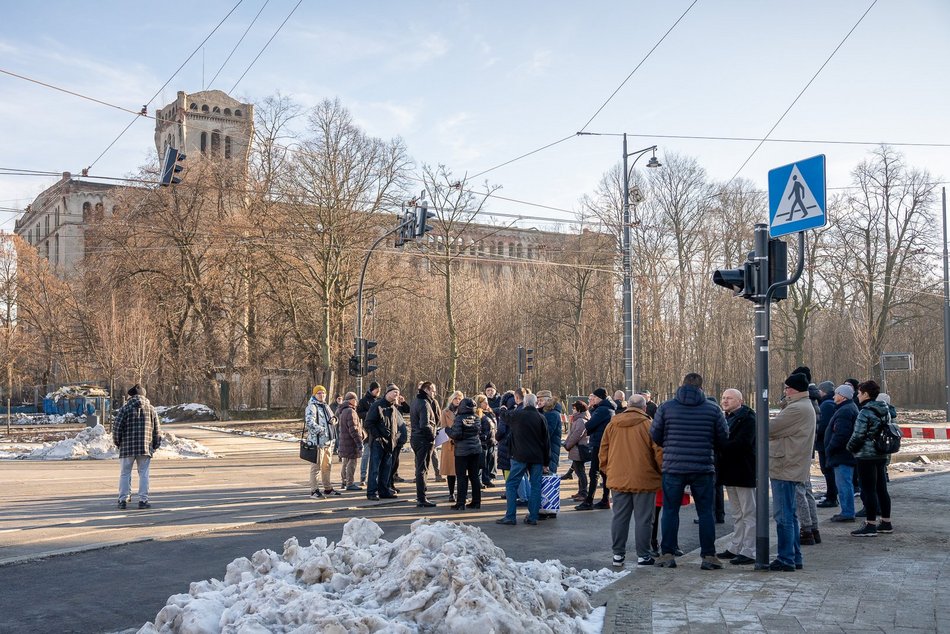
[{"x": 208, "y": 122}]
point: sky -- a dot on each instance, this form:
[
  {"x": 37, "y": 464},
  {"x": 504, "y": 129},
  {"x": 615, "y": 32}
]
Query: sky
[{"x": 472, "y": 85}]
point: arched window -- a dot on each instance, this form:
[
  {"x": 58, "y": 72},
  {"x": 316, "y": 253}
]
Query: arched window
[
  {"x": 193, "y": 106},
  {"x": 530, "y": 253},
  {"x": 216, "y": 110},
  {"x": 47, "y": 226},
  {"x": 204, "y": 142},
  {"x": 227, "y": 147},
  {"x": 520, "y": 253},
  {"x": 98, "y": 215},
  {"x": 47, "y": 250},
  {"x": 86, "y": 211},
  {"x": 237, "y": 113},
  {"x": 56, "y": 252},
  {"x": 227, "y": 112},
  {"x": 56, "y": 224},
  {"x": 204, "y": 108},
  {"x": 215, "y": 143}
]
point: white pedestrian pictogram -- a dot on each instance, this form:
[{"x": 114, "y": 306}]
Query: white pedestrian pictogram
[{"x": 797, "y": 200}]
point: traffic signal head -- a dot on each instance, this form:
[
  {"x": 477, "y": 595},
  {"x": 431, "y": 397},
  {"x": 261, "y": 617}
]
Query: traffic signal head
[
  {"x": 423, "y": 215},
  {"x": 354, "y": 366},
  {"x": 778, "y": 267},
  {"x": 521, "y": 360},
  {"x": 740, "y": 281},
  {"x": 368, "y": 356},
  {"x": 170, "y": 167},
  {"x": 529, "y": 358},
  {"x": 405, "y": 233}
]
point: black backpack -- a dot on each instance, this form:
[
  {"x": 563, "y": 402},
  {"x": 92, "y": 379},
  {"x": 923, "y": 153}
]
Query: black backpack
[{"x": 887, "y": 439}]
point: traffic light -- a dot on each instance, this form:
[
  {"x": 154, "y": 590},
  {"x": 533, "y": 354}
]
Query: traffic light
[
  {"x": 368, "y": 356},
  {"x": 354, "y": 366},
  {"x": 406, "y": 231},
  {"x": 778, "y": 267},
  {"x": 521, "y": 360},
  {"x": 170, "y": 167},
  {"x": 529, "y": 358},
  {"x": 740, "y": 281},
  {"x": 423, "y": 215}
]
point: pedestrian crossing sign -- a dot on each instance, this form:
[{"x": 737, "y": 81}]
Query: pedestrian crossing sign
[{"x": 797, "y": 196}]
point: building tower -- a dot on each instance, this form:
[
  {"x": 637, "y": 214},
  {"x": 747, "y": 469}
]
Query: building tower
[{"x": 209, "y": 122}]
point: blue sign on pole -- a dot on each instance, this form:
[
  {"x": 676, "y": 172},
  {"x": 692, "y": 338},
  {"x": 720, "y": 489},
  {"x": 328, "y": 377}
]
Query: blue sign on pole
[{"x": 797, "y": 197}]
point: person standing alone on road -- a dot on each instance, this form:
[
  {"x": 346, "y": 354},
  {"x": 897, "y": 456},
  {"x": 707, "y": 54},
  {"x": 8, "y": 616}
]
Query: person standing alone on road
[
  {"x": 137, "y": 432},
  {"x": 423, "y": 422},
  {"x": 631, "y": 461}
]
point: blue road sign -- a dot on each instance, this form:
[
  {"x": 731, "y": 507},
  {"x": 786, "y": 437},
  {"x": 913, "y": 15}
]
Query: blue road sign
[{"x": 797, "y": 197}]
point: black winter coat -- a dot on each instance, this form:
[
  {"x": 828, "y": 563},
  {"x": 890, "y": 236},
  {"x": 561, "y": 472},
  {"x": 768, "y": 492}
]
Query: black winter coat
[
  {"x": 466, "y": 429},
  {"x": 735, "y": 460},
  {"x": 689, "y": 428},
  {"x": 529, "y": 437},
  {"x": 489, "y": 426},
  {"x": 423, "y": 418},
  {"x": 503, "y": 436},
  {"x": 382, "y": 424},
  {"x": 600, "y": 417},
  {"x": 363, "y": 405},
  {"x": 826, "y": 409},
  {"x": 838, "y": 433}
]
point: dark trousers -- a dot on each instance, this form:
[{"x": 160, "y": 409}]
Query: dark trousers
[
  {"x": 701, "y": 485},
  {"x": 720, "y": 504},
  {"x": 394, "y": 471},
  {"x": 873, "y": 477},
  {"x": 423, "y": 452},
  {"x": 831, "y": 485},
  {"x": 467, "y": 468},
  {"x": 491, "y": 461},
  {"x": 593, "y": 475},
  {"x": 380, "y": 470}
]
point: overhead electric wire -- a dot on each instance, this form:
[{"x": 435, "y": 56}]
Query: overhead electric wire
[
  {"x": 802, "y": 92},
  {"x": 249, "y": 66},
  {"x": 697, "y": 137},
  {"x": 228, "y": 58}
]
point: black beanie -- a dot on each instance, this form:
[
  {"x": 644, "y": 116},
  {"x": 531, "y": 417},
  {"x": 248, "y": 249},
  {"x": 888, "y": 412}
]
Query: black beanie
[
  {"x": 373, "y": 386},
  {"x": 797, "y": 381},
  {"x": 601, "y": 393},
  {"x": 803, "y": 369},
  {"x": 490, "y": 385},
  {"x": 136, "y": 390}
]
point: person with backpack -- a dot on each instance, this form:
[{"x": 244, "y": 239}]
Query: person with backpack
[
  {"x": 873, "y": 417},
  {"x": 465, "y": 432}
]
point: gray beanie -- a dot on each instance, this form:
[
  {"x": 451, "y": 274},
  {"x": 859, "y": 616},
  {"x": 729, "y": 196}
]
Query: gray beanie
[
  {"x": 827, "y": 387},
  {"x": 845, "y": 390}
]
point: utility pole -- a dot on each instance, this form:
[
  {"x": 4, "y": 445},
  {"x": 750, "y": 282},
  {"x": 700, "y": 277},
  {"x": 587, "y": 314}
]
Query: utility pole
[{"x": 946, "y": 306}]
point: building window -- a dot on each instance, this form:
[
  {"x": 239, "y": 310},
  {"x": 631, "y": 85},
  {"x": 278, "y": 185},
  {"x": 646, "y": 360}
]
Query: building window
[
  {"x": 193, "y": 106},
  {"x": 57, "y": 218},
  {"x": 47, "y": 226},
  {"x": 98, "y": 215},
  {"x": 204, "y": 109},
  {"x": 215, "y": 143},
  {"x": 216, "y": 110},
  {"x": 227, "y": 112},
  {"x": 237, "y": 113},
  {"x": 86, "y": 210},
  {"x": 204, "y": 142},
  {"x": 56, "y": 253},
  {"x": 227, "y": 147},
  {"x": 530, "y": 252}
]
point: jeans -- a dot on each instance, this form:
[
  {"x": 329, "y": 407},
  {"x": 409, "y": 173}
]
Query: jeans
[
  {"x": 641, "y": 506},
  {"x": 364, "y": 461},
  {"x": 787, "y": 528},
  {"x": 518, "y": 470},
  {"x": 702, "y": 486},
  {"x": 380, "y": 468},
  {"x": 844, "y": 474},
  {"x": 467, "y": 468},
  {"x": 423, "y": 451},
  {"x": 873, "y": 477},
  {"x": 125, "y": 477}
]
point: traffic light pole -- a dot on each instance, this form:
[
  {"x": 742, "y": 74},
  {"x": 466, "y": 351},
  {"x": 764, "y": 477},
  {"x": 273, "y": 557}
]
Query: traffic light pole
[{"x": 763, "y": 303}]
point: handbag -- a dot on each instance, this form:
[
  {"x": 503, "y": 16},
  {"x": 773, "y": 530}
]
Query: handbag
[
  {"x": 308, "y": 452},
  {"x": 585, "y": 452}
]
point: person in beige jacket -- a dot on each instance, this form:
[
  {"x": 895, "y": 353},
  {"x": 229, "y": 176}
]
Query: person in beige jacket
[
  {"x": 791, "y": 439},
  {"x": 631, "y": 461}
]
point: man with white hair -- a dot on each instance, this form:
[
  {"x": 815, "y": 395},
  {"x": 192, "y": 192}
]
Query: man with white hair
[
  {"x": 530, "y": 451},
  {"x": 735, "y": 470}
]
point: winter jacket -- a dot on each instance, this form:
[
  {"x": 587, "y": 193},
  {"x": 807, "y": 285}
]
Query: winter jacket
[
  {"x": 838, "y": 433},
  {"x": 447, "y": 455},
  {"x": 826, "y": 409},
  {"x": 137, "y": 430},
  {"x": 872, "y": 415},
  {"x": 487, "y": 434},
  {"x": 735, "y": 459},
  {"x": 792, "y": 440},
  {"x": 318, "y": 421},
  {"x": 363, "y": 405},
  {"x": 600, "y": 416},
  {"x": 465, "y": 430},
  {"x": 689, "y": 428},
  {"x": 629, "y": 458},
  {"x": 503, "y": 437},
  {"x": 552, "y": 418},
  {"x": 651, "y": 409},
  {"x": 351, "y": 432},
  {"x": 494, "y": 402},
  {"x": 423, "y": 420},
  {"x": 577, "y": 435},
  {"x": 529, "y": 437},
  {"x": 382, "y": 424}
]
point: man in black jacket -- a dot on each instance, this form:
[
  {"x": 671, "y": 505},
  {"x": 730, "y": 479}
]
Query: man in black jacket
[
  {"x": 735, "y": 470},
  {"x": 362, "y": 407},
  {"x": 423, "y": 420},
  {"x": 602, "y": 410},
  {"x": 530, "y": 452},
  {"x": 382, "y": 424}
]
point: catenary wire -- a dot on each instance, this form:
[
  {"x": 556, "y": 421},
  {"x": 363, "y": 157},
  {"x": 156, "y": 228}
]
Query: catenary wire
[
  {"x": 233, "y": 50},
  {"x": 249, "y": 66}
]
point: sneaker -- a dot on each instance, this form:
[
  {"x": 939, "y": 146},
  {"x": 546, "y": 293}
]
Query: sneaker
[
  {"x": 584, "y": 506},
  {"x": 841, "y": 518},
  {"x": 827, "y": 504},
  {"x": 618, "y": 560},
  {"x": 646, "y": 561},
  {"x": 861, "y": 513},
  {"x": 123, "y": 505},
  {"x": 778, "y": 566},
  {"x": 603, "y": 504},
  {"x": 331, "y": 491},
  {"x": 726, "y": 554},
  {"x": 317, "y": 494},
  {"x": 666, "y": 560},
  {"x": 868, "y": 530},
  {"x": 398, "y": 479},
  {"x": 354, "y": 487},
  {"x": 425, "y": 504},
  {"x": 805, "y": 538},
  {"x": 567, "y": 476},
  {"x": 373, "y": 497},
  {"x": 885, "y": 527},
  {"x": 711, "y": 562},
  {"x": 144, "y": 505},
  {"x": 741, "y": 560}
]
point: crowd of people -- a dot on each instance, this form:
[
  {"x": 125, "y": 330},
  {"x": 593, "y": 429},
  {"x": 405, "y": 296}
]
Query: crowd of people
[{"x": 643, "y": 460}]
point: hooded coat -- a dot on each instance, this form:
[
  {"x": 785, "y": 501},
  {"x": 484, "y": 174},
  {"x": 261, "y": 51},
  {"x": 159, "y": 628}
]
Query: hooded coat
[
  {"x": 689, "y": 428},
  {"x": 600, "y": 416},
  {"x": 629, "y": 458},
  {"x": 552, "y": 418},
  {"x": 577, "y": 435},
  {"x": 351, "y": 432},
  {"x": 735, "y": 460},
  {"x": 871, "y": 416},
  {"x": 465, "y": 430},
  {"x": 137, "y": 430}
]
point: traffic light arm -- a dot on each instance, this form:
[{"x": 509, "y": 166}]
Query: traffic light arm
[{"x": 798, "y": 270}]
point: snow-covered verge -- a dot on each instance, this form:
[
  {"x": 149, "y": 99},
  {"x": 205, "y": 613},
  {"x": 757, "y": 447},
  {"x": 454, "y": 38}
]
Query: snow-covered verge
[
  {"x": 185, "y": 412},
  {"x": 49, "y": 419},
  {"x": 283, "y": 437},
  {"x": 94, "y": 443},
  {"x": 440, "y": 577}
]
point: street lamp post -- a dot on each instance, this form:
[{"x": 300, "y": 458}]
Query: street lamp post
[{"x": 625, "y": 248}]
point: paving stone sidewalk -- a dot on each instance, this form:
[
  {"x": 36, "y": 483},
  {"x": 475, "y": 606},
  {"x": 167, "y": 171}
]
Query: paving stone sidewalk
[{"x": 888, "y": 583}]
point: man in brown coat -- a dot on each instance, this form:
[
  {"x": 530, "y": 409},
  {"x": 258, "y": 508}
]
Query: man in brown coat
[{"x": 631, "y": 461}]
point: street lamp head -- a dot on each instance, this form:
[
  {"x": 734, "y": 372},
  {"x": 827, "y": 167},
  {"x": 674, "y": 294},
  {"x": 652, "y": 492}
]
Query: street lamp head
[{"x": 653, "y": 162}]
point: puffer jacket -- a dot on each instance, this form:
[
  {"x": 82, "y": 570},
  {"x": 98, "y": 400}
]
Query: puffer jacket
[
  {"x": 552, "y": 418},
  {"x": 838, "y": 433},
  {"x": 792, "y": 440},
  {"x": 600, "y": 416},
  {"x": 871, "y": 416},
  {"x": 318, "y": 421},
  {"x": 577, "y": 435},
  {"x": 351, "y": 432},
  {"x": 466, "y": 429},
  {"x": 629, "y": 458},
  {"x": 423, "y": 419},
  {"x": 137, "y": 430},
  {"x": 689, "y": 428}
]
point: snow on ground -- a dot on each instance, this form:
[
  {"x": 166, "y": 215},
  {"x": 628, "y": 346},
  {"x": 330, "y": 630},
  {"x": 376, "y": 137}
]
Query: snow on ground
[
  {"x": 49, "y": 419},
  {"x": 96, "y": 444},
  {"x": 441, "y": 577},
  {"x": 283, "y": 437},
  {"x": 185, "y": 412},
  {"x": 922, "y": 445}
]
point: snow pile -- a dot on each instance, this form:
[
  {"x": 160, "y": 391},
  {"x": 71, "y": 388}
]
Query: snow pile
[
  {"x": 96, "y": 444},
  {"x": 441, "y": 577},
  {"x": 49, "y": 419},
  {"x": 283, "y": 437},
  {"x": 186, "y": 412}
]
